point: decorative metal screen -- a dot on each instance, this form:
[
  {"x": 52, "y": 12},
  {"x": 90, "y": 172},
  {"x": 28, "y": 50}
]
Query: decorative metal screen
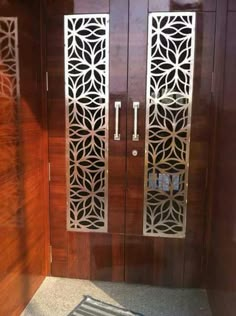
[
  {"x": 86, "y": 90},
  {"x": 9, "y": 63},
  {"x": 168, "y": 118}
]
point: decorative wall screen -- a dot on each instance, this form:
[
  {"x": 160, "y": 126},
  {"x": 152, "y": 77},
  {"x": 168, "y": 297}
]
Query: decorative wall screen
[
  {"x": 86, "y": 90},
  {"x": 170, "y": 65},
  {"x": 9, "y": 62}
]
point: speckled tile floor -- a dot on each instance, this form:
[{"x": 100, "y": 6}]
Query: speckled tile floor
[{"x": 58, "y": 296}]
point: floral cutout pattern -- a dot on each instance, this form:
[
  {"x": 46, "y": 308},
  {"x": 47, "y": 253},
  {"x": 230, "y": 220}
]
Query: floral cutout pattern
[
  {"x": 9, "y": 77},
  {"x": 86, "y": 72},
  {"x": 168, "y": 119}
]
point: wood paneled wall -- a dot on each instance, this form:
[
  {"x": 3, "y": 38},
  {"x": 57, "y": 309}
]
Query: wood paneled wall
[
  {"x": 221, "y": 277},
  {"x": 24, "y": 149},
  {"x": 23, "y": 185}
]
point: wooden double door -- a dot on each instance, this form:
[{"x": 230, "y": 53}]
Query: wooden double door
[{"x": 139, "y": 65}]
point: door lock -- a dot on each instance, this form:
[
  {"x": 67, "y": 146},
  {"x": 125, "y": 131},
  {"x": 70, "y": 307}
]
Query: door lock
[{"x": 134, "y": 153}]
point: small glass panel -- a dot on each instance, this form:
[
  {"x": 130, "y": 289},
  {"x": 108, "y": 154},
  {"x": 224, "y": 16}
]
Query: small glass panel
[
  {"x": 168, "y": 118},
  {"x": 86, "y": 90}
]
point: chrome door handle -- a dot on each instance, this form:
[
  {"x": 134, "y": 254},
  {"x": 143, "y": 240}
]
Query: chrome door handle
[
  {"x": 135, "y": 136},
  {"x": 117, "y": 107}
]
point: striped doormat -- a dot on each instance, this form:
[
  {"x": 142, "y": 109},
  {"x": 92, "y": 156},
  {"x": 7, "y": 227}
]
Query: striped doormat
[{"x": 91, "y": 307}]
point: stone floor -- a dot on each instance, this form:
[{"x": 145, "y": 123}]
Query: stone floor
[{"x": 58, "y": 296}]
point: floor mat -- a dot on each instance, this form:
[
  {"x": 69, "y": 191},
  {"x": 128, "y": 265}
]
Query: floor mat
[{"x": 92, "y": 307}]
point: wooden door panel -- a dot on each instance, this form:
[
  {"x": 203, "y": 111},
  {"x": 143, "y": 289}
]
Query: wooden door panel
[
  {"x": 157, "y": 261},
  {"x": 95, "y": 256},
  {"x": 199, "y": 150},
  {"x": 118, "y": 92},
  {"x": 232, "y": 5},
  {"x": 123, "y": 252},
  {"x": 136, "y": 92},
  {"x": 77, "y": 254},
  {"x": 91, "y": 6},
  {"x": 61, "y": 7},
  {"x": 56, "y": 109},
  {"x": 147, "y": 259},
  {"x": 170, "y": 262},
  {"x": 182, "y": 5}
]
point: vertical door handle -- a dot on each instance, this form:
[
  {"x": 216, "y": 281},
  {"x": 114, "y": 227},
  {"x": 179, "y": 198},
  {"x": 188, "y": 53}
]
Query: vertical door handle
[
  {"x": 117, "y": 107},
  {"x": 135, "y": 136}
]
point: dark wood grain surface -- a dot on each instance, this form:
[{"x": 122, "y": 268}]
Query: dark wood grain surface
[
  {"x": 56, "y": 107},
  {"x": 222, "y": 251},
  {"x": 156, "y": 261},
  {"x": 232, "y": 5},
  {"x": 137, "y": 93},
  {"x": 182, "y": 5},
  {"x": 199, "y": 151},
  {"x": 118, "y": 92},
  {"x": 23, "y": 165}
]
